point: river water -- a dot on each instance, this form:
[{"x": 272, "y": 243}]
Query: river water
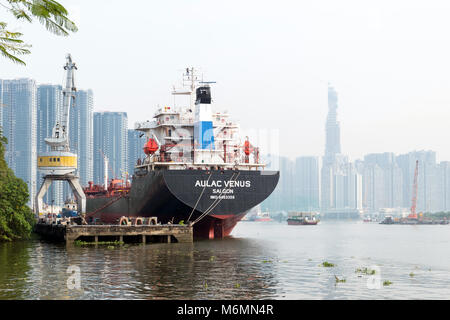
[{"x": 262, "y": 260}]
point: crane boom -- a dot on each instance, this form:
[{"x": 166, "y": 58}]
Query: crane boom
[{"x": 60, "y": 133}]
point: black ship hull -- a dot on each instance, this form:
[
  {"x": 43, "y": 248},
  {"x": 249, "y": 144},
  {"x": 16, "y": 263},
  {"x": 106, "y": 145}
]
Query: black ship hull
[{"x": 216, "y": 200}]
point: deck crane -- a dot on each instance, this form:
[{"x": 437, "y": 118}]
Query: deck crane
[
  {"x": 413, "y": 214},
  {"x": 60, "y": 163}
]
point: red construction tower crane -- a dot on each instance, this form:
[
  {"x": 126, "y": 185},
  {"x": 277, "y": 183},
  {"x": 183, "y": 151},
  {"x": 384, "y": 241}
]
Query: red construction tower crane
[{"x": 413, "y": 214}]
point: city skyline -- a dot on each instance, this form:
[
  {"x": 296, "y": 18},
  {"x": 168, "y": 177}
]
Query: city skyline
[
  {"x": 394, "y": 94},
  {"x": 378, "y": 180}
]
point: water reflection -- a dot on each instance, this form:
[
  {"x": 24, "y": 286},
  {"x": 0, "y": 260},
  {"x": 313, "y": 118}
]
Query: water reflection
[
  {"x": 14, "y": 269},
  {"x": 261, "y": 261}
]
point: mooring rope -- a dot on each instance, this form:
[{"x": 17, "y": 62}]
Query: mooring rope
[
  {"x": 198, "y": 200},
  {"x": 215, "y": 202},
  {"x": 208, "y": 210}
]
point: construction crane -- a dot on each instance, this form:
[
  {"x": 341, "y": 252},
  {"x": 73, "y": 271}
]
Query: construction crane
[
  {"x": 60, "y": 163},
  {"x": 413, "y": 214}
]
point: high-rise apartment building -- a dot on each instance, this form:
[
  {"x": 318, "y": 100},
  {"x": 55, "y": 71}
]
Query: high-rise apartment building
[
  {"x": 382, "y": 182},
  {"x": 444, "y": 186},
  {"x": 136, "y": 142},
  {"x": 19, "y": 126},
  {"x": 428, "y": 179},
  {"x": 49, "y": 108},
  {"x": 110, "y": 141},
  {"x": 306, "y": 183}
]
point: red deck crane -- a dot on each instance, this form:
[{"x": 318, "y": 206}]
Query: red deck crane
[{"x": 413, "y": 214}]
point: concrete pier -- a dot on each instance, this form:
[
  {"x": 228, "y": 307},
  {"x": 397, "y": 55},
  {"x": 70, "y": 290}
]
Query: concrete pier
[{"x": 96, "y": 233}]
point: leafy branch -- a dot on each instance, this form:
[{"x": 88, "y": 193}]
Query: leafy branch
[{"x": 49, "y": 13}]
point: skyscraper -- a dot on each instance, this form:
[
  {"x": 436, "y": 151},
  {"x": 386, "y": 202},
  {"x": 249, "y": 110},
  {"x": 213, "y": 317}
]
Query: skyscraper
[
  {"x": 428, "y": 179},
  {"x": 283, "y": 197},
  {"x": 49, "y": 108},
  {"x": 332, "y": 149},
  {"x": 382, "y": 182},
  {"x": 19, "y": 120},
  {"x": 136, "y": 142},
  {"x": 81, "y": 134},
  {"x": 306, "y": 183},
  {"x": 445, "y": 185},
  {"x": 341, "y": 183},
  {"x": 110, "y": 141},
  {"x": 332, "y": 128}
]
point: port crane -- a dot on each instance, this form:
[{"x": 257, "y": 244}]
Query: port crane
[{"x": 60, "y": 164}]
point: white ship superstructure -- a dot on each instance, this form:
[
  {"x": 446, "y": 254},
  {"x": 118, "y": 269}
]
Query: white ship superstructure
[{"x": 195, "y": 136}]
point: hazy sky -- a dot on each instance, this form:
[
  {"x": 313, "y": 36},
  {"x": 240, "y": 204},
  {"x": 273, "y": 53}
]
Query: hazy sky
[{"x": 388, "y": 60}]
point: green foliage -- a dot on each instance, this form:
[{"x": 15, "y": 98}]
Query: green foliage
[
  {"x": 110, "y": 244},
  {"x": 16, "y": 218},
  {"x": 327, "y": 264},
  {"x": 365, "y": 270},
  {"x": 48, "y": 12},
  {"x": 387, "y": 283}
]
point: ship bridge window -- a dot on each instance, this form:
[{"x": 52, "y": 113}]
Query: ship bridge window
[
  {"x": 59, "y": 160},
  {"x": 203, "y": 95},
  {"x": 51, "y": 160}
]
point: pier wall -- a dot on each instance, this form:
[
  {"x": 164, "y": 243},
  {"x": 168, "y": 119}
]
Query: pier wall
[{"x": 145, "y": 233}]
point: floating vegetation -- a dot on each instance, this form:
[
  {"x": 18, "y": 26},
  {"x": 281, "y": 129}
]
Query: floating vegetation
[
  {"x": 309, "y": 259},
  {"x": 111, "y": 247},
  {"x": 365, "y": 271},
  {"x": 212, "y": 258},
  {"x": 339, "y": 280},
  {"x": 412, "y": 274},
  {"x": 237, "y": 285},
  {"x": 100, "y": 243},
  {"x": 205, "y": 285},
  {"x": 387, "y": 283},
  {"x": 267, "y": 261},
  {"x": 327, "y": 264}
]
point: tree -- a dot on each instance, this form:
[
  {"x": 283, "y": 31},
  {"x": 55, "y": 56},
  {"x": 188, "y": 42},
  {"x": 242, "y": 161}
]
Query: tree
[
  {"x": 48, "y": 12},
  {"x": 16, "y": 218}
]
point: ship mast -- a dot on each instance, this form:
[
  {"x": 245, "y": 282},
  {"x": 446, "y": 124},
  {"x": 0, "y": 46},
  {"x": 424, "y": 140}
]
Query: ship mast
[{"x": 189, "y": 80}]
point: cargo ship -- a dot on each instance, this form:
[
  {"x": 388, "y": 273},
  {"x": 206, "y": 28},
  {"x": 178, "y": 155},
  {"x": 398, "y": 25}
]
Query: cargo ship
[{"x": 196, "y": 169}]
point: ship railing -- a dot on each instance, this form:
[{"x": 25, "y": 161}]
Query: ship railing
[
  {"x": 231, "y": 160},
  {"x": 175, "y": 122}
]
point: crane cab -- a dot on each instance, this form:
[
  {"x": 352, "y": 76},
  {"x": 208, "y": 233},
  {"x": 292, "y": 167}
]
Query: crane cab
[{"x": 57, "y": 162}]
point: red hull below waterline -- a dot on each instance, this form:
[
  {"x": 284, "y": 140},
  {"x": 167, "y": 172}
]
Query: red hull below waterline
[{"x": 216, "y": 226}]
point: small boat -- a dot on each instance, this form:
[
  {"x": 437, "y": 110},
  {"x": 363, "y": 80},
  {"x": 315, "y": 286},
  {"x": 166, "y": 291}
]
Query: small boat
[
  {"x": 302, "y": 218},
  {"x": 262, "y": 217},
  {"x": 70, "y": 209},
  {"x": 388, "y": 220}
]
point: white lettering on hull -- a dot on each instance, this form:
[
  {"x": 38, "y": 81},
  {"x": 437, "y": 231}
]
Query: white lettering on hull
[{"x": 223, "y": 184}]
